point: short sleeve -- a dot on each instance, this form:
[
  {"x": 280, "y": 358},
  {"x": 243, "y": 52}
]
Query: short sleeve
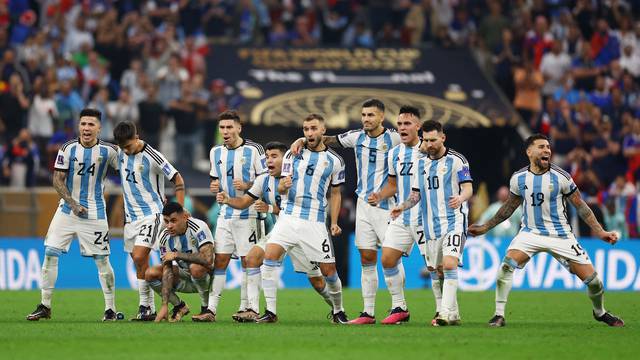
[
  {"x": 415, "y": 182},
  {"x": 391, "y": 163},
  {"x": 337, "y": 176},
  {"x": 568, "y": 186},
  {"x": 163, "y": 244},
  {"x": 62, "y": 160},
  {"x": 113, "y": 159},
  {"x": 463, "y": 173},
  {"x": 287, "y": 164},
  {"x": 256, "y": 189},
  {"x": 259, "y": 161},
  {"x": 513, "y": 185},
  {"x": 204, "y": 236},
  {"x": 395, "y": 137},
  {"x": 165, "y": 167},
  {"x": 349, "y": 138},
  {"x": 214, "y": 168}
]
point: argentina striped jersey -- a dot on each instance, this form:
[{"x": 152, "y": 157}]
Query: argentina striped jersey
[
  {"x": 86, "y": 169},
  {"x": 403, "y": 163},
  {"x": 142, "y": 176},
  {"x": 544, "y": 211},
  {"x": 437, "y": 180},
  {"x": 311, "y": 173},
  {"x": 197, "y": 234},
  {"x": 266, "y": 188},
  {"x": 371, "y": 161},
  {"x": 244, "y": 163}
]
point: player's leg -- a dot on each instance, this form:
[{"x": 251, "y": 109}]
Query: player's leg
[
  {"x": 140, "y": 258},
  {"x": 200, "y": 278},
  {"x": 367, "y": 243},
  {"x": 452, "y": 247},
  {"x": 245, "y": 234},
  {"x": 153, "y": 276},
  {"x": 334, "y": 284},
  {"x": 391, "y": 257},
  {"x": 254, "y": 260},
  {"x": 272, "y": 256},
  {"x": 514, "y": 259},
  {"x": 56, "y": 242},
  {"x": 316, "y": 279}
]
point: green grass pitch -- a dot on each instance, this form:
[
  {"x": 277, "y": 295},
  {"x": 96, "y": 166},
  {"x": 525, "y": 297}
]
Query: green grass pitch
[{"x": 547, "y": 325}]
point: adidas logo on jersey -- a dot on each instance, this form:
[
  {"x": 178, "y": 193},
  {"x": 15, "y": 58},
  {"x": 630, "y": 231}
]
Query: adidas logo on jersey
[
  {"x": 219, "y": 162},
  {"x": 526, "y": 188}
]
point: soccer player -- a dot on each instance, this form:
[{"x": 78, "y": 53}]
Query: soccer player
[
  {"x": 142, "y": 172},
  {"x": 80, "y": 169},
  {"x": 371, "y": 145},
  {"x": 234, "y": 167},
  {"x": 541, "y": 188},
  {"x": 442, "y": 185},
  {"x": 305, "y": 181},
  {"x": 186, "y": 249},
  {"x": 407, "y": 229},
  {"x": 265, "y": 198}
]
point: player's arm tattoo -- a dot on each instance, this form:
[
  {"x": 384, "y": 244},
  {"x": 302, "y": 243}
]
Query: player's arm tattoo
[
  {"x": 336, "y": 203},
  {"x": 585, "y": 212},
  {"x": 167, "y": 282},
  {"x": 331, "y": 140},
  {"x": 178, "y": 187},
  {"x": 505, "y": 210},
  {"x": 203, "y": 257},
  {"x": 413, "y": 199},
  {"x": 59, "y": 183}
]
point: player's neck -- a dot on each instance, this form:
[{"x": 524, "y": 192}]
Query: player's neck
[
  {"x": 236, "y": 144},
  {"x": 413, "y": 142},
  {"x": 320, "y": 147},
  {"x": 375, "y": 132},
  {"x": 537, "y": 170},
  {"x": 440, "y": 153},
  {"x": 89, "y": 144}
]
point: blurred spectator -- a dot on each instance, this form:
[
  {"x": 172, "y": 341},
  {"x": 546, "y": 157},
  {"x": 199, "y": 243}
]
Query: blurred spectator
[
  {"x": 183, "y": 111},
  {"x": 585, "y": 69},
  {"x": 555, "y": 64},
  {"x": 10, "y": 65},
  {"x": 42, "y": 113},
  {"x": 14, "y": 105},
  {"x": 387, "y": 36},
  {"x": 614, "y": 219},
  {"x": 631, "y": 150},
  {"x": 564, "y": 133},
  {"x": 604, "y": 44},
  {"x": 100, "y": 102},
  {"x": 303, "y": 33},
  {"x": 333, "y": 26},
  {"x": 508, "y": 228},
  {"x": 21, "y": 161},
  {"x": 492, "y": 26},
  {"x": 170, "y": 78},
  {"x": 416, "y": 23},
  {"x": 123, "y": 109},
  {"x": 278, "y": 35},
  {"x": 69, "y": 104},
  {"x": 630, "y": 60},
  {"x": 358, "y": 35},
  {"x": 94, "y": 74},
  {"x": 567, "y": 92},
  {"x": 506, "y": 56},
  {"x": 151, "y": 115},
  {"x": 528, "y": 84},
  {"x": 538, "y": 41},
  {"x": 133, "y": 79},
  {"x": 462, "y": 29},
  {"x": 216, "y": 21},
  {"x": 607, "y": 161},
  {"x": 78, "y": 35}
]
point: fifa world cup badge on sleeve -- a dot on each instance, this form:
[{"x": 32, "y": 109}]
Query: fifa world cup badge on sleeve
[
  {"x": 166, "y": 170},
  {"x": 201, "y": 236},
  {"x": 60, "y": 160}
]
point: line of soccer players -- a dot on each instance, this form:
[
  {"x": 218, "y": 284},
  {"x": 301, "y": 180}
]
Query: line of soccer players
[{"x": 396, "y": 170}]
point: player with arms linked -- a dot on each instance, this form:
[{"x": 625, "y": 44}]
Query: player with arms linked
[{"x": 542, "y": 188}]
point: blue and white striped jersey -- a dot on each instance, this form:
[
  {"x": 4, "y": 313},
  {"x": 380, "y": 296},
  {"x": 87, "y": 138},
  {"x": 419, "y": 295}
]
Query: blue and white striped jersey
[
  {"x": 245, "y": 163},
  {"x": 403, "y": 163},
  {"x": 371, "y": 161},
  {"x": 142, "y": 177},
  {"x": 437, "y": 180},
  {"x": 197, "y": 234},
  {"x": 266, "y": 188},
  {"x": 86, "y": 169},
  {"x": 544, "y": 211},
  {"x": 311, "y": 173}
]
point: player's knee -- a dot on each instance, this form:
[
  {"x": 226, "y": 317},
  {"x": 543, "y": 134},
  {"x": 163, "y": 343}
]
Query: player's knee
[
  {"x": 140, "y": 260},
  {"x": 388, "y": 261},
  {"x": 317, "y": 283},
  {"x": 329, "y": 271},
  {"x": 594, "y": 283},
  {"x": 254, "y": 259},
  {"x": 197, "y": 271},
  {"x": 52, "y": 251},
  {"x": 152, "y": 274},
  {"x": 221, "y": 261},
  {"x": 368, "y": 259}
]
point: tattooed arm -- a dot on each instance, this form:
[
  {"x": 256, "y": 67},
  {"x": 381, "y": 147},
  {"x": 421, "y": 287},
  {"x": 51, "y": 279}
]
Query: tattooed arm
[
  {"x": 167, "y": 281},
  {"x": 203, "y": 257},
  {"x": 503, "y": 213},
  {"x": 589, "y": 218},
  {"x": 413, "y": 199},
  {"x": 59, "y": 183},
  {"x": 178, "y": 187}
]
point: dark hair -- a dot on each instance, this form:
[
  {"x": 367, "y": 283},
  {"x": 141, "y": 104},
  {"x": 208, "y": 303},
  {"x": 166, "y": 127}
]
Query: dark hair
[
  {"x": 314, "y": 116},
  {"x": 531, "y": 139},
  {"x": 431, "y": 125},
  {"x": 91, "y": 113},
  {"x": 276, "y": 145},
  {"x": 172, "y": 207},
  {"x": 373, "y": 103},
  {"x": 229, "y": 115},
  {"x": 408, "y": 109},
  {"x": 124, "y": 131}
]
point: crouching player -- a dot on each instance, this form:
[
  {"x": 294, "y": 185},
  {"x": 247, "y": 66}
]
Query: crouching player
[
  {"x": 186, "y": 248},
  {"x": 266, "y": 199}
]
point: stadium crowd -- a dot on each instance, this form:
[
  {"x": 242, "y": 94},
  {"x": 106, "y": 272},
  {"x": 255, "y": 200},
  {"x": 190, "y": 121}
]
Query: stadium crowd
[{"x": 571, "y": 69}]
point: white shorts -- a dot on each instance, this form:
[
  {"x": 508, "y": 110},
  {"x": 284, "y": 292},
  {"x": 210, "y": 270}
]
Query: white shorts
[
  {"x": 185, "y": 282},
  {"x": 565, "y": 250},
  {"x": 450, "y": 244},
  {"x": 93, "y": 235},
  {"x": 371, "y": 225},
  {"x": 300, "y": 262},
  {"x": 402, "y": 237},
  {"x": 142, "y": 232},
  {"x": 310, "y": 236},
  {"x": 237, "y": 236}
]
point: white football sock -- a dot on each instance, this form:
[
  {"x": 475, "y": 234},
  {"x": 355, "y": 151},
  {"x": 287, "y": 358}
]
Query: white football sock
[
  {"x": 107, "y": 281},
  {"x": 335, "y": 291},
  {"x": 393, "y": 279},
  {"x": 244, "y": 303},
  {"x": 254, "y": 278},
  {"x": 449, "y": 292},
  {"x": 219, "y": 280},
  {"x": 145, "y": 294},
  {"x": 436, "y": 287},
  {"x": 504, "y": 281},
  {"x": 202, "y": 285},
  {"x": 595, "y": 290},
  {"x": 325, "y": 294},
  {"x": 369, "y": 287},
  {"x": 270, "y": 284},
  {"x": 49, "y": 277}
]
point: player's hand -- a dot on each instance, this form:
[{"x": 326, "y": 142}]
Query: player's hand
[
  {"x": 455, "y": 201},
  {"x": 396, "y": 211},
  {"x": 79, "y": 210},
  {"x": 335, "y": 230},
  {"x": 287, "y": 182},
  {"x": 163, "y": 313},
  {"x": 222, "y": 198},
  {"x": 297, "y": 145},
  {"x": 374, "y": 199},
  {"x": 261, "y": 206},
  {"x": 611, "y": 237},
  {"x": 477, "y": 230},
  {"x": 240, "y": 185},
  {"x": 169, "y": 256},
  {"x": 214, "y": 186}
]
